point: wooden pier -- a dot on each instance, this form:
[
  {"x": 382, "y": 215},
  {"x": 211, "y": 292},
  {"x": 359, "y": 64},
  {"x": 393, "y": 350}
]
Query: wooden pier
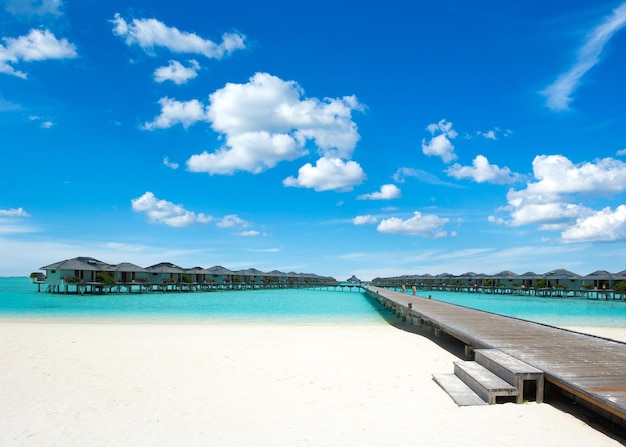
[{"x": 590, "y": 369}]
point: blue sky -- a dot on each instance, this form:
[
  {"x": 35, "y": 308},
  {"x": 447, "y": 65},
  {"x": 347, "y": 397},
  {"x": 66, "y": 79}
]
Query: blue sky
[{"x": 337, "y": 138}]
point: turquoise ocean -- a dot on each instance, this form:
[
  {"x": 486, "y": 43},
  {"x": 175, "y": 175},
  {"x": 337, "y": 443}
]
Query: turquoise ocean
[{"x": 19, "y": 299}]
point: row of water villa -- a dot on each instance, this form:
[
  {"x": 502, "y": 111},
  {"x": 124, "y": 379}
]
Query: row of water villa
[
  {"x": 600, "y": 284},
  {"x": 89, "y": 275}
]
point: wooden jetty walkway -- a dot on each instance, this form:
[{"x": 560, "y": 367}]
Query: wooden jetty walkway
[{"x": 590, "y": 369}]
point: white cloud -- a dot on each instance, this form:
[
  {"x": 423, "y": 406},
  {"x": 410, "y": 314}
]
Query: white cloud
[
  {"x": 30, "y": 8},
  {"x": 429, "y": 226},
  {"x": 252, "y": 152},
  {"x": 621, "y": 152},
  {"x": 440, "y": 144},
  {"x": 603, "y": 225},
  {"x": 556, "y": 174},
  {"x": 559, "y": 94},
  {"x": 550, "y": 215},
  {"x": 266, "y": 121},
  {"x": 150, "y": 33},
  {"x": 14, "y": 212},
  {"x": 482, "y": 171},
  {"x": 177, "y": 72},
  {"x": 232, "y": 221},
  {"x": 175, "y": 112},
  {"x": 547, "y": 202},
  {"x": 170, "y": 164},
  {"x": 328, "y": 174},
  {"x": 47, "y": 125},
  {"x": 168, "y": 213},
  {"x": 36, "y": 46},
  {"x": 364, "y": 220},
  {"x": 387, "y": 192}
]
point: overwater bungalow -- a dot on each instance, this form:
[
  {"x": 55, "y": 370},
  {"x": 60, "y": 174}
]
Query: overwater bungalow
[
  {"x": 529, "y": 279},
  {"x": 219, "y": 275},
  {"x": 507, "y": 279},
  {"x": 128, "y": 273},
  {"x": 89, "y": 275},
  {"x": 560, "y": 281},
  {"x": 555, "y": 283},
  {"x": 600, "y": 279},
  {"x": 165, "y": 274},
  {"x": 76, "y": 272}
]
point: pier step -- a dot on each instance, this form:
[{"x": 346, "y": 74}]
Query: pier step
[
  {"x": 512, "y": 370},
  {"x": 458, "y": 390},
  {"x": 494, "y": 374},
  {"x": 483, "y": 382}
]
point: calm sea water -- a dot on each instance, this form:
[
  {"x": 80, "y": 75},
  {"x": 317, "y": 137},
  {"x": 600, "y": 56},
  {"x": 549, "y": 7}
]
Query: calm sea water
[{"x": 19, "y": 298}]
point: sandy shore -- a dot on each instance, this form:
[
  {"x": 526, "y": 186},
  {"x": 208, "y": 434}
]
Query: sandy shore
[{"x": 116, "y": 384}]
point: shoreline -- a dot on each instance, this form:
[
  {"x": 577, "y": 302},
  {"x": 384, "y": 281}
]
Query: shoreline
[{"x": 248, "y": 384}]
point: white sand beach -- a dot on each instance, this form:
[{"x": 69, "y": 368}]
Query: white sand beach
[{"x": 139, "y": 384}]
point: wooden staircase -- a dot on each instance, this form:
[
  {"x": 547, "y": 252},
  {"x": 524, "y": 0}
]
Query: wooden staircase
[{"x": 493, "y": 376}]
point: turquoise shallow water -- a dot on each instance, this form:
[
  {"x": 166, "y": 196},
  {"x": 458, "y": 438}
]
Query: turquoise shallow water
[{"x": 19, "y": 298}]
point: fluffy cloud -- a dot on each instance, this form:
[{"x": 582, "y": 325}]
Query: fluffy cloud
[
  {"x": 429, "y": 226},
  {"x": 547, "y": 202},
  {"x": 386, "y": 192},
  {"x": 559, "y": 94},
  {"x": 37, "y": 45},
  {"x": 175, "y": 112},
  {"x": 150, "y": 33},
  {"x": 482, "y": 171},
  {"x": 266, "y": 121},
  {"x": 548, "y": 214},
  {"x": 328, "y": 174},
  {"x": 557, "y": 175},
  {"x": 603, "y": 225},
  {"x": 440, "y": 144},
  {"x": 252, "y": 152},
  {"x": 364, "y": 220},
  {"x": 177, "y": 72},
  {"x": 168, "y": 213}
]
